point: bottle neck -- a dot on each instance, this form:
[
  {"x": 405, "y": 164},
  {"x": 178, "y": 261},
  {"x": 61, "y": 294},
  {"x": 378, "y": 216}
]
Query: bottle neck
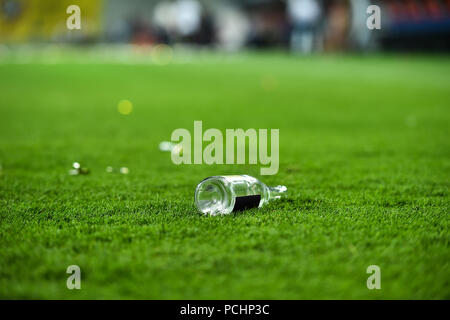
[{"x": 277, "y": 192}]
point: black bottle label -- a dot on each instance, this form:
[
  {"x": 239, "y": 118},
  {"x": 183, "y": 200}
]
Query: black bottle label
[{"x": 246, "y": 202}]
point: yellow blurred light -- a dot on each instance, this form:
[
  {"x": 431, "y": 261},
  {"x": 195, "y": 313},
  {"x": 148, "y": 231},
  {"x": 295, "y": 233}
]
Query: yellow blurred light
[{"x": 125, "y": 107}]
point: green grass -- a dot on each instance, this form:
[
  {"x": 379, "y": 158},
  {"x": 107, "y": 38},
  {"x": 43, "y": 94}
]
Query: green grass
[{"x": 364, "y": 151}]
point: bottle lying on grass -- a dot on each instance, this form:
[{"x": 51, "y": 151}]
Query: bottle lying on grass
[{"x": 225, "y": 194}]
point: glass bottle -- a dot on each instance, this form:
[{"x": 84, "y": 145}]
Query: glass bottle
[{"x": 225, "y": 194}]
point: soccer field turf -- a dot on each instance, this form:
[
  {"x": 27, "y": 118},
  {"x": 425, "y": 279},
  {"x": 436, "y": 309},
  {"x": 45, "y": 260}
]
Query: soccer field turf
[{"x": 364, "y": 152}]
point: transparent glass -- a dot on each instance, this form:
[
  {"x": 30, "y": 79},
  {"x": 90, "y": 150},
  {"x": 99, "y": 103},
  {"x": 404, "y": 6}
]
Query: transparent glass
[{"x": 225, "y": 194}]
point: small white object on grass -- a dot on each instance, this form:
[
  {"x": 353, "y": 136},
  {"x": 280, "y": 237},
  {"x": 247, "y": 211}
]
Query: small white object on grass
[
  {"x": 74, "y": 172},
  {"x": 77, "y": 169},
  {"x": 167, "y": 146},
  {"x": 177, "y": 149},
  {"x": 124, "y": 170}
]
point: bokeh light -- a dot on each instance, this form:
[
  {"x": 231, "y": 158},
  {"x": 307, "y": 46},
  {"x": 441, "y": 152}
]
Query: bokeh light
[{"x": 125, "y": 107}]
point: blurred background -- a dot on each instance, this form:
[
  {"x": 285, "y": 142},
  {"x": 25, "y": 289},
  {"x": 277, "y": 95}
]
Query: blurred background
[{"x": 299, "y": 26}]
